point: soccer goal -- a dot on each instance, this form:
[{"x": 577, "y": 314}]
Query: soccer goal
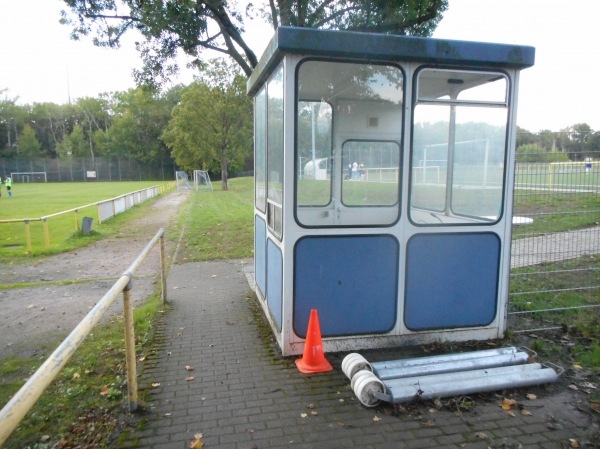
[
  {"x": 182, "y": 180},
  {"x": 29, "y": 176},
  {"x": 202, "y": 180}
]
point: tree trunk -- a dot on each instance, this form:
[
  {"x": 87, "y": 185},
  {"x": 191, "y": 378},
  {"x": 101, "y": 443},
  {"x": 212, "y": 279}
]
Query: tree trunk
[{"x": 224, "y": 171}]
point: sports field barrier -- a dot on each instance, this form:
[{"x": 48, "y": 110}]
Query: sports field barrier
[
  {"x": 15, "y": 410},
  {"x": 105, "y": 209}
]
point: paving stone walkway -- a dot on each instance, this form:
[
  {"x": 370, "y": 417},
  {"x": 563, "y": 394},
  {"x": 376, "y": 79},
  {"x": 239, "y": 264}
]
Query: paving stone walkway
[{"x": 218, "y": 373}]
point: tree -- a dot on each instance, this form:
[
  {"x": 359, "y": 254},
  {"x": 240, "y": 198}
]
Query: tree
[
  {"x": 13, "y": 118},
  {"x": 140, "y": 116},
  {"x": 193, "y": 25},
  {"x": 74, "y": 144},
  {"x": 28, "y": 145},
  {"x": 212, "y": 125}
]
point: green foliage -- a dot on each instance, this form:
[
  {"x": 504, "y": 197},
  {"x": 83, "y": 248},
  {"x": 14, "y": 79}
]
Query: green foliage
[
  {"x": 140, "y": 115},
  {"x": 211, "y": 127},
  {"x": 28, "y": 144},
  {"x": 536, "y": 153},
  {"x": 194, "y": 26},
  {"x": 588, "y": 355},
  {"x": 73, "y": 145}
]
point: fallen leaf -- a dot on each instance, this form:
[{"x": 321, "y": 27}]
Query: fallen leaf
[
  {"x": 508, "y": 404},
  {"x": 214, "y": 276},
  {"x": 511, "y": 413},
  {"x": 588, "y": 385},
  {"x": 341, "y": 400},
  {"x": 376, "y": 418},
  {"x": 575, "y": 443},
  {"x": 141, "y": 359},
  {"x": 196, "y": 443},
  {"x": 531, "y": 397},
  {"x": 433, "y": 410},
  {"x": 229, "y": 322},
  {"x": 526, "y": 413},
  {"x": 303, "y": 415},
  {"x": 45, "y": 438},
  {"x": 189, "y": 368},
  {"x": 314, "y": 413},
  {"x": 155, "y": 384},
  {"x": 104, "y": 390},
  {"x": 573, "y": 387},
  {"x": 310, "y": 406},
  {"x": 481, "y": 435},
  {"x": 167, "y": 414},
  {"x": 190, "y": 378},
  {"x": 76, "y": 376}
]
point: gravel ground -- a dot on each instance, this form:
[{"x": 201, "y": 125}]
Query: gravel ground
[{"x": 35, "y": 319}]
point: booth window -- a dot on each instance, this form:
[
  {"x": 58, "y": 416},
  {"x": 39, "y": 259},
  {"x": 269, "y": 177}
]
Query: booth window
[
  {"x": 260, "y": 150},
  {"x": 459, "y": 147},
  {"x": 314, "y": 153},
  {"x": 348, "y": 133},
  {"x": 375, "y": 166},
  {"x": 275, "y": 153}
]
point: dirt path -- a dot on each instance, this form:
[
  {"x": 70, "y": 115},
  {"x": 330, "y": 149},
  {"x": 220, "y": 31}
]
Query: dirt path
[{"x": 33, "y": 320}]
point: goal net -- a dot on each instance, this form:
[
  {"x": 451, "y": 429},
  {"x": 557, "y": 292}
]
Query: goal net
[
  {"x": 29, "y": 176},
  {"x": 182, "y": 180},
  {"x": 202, "y": 180}
]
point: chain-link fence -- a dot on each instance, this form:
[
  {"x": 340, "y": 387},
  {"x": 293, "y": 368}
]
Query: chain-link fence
[
  {"x": 77, "y": 169},
  {"x": 555, "y": 280}
]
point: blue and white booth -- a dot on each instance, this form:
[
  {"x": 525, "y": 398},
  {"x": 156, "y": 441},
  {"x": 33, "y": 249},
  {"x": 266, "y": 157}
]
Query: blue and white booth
[{"x": 384, "y": 171}]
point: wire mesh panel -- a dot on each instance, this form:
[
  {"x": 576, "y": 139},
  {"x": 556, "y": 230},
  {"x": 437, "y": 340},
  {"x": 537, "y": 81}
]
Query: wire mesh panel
[{"x": 555, "y": 275}]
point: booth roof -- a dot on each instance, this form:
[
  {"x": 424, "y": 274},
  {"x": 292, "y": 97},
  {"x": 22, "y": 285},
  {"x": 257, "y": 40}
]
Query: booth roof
[{"x": 370, "y": 47}]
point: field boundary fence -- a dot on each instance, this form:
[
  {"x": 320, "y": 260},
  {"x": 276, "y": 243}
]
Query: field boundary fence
[
  {"x": 87, "y": 169},
  {"x": 555, "y": 268},
  {"x": 103, "y": 210},
  {"x": 22, "y": 401}
]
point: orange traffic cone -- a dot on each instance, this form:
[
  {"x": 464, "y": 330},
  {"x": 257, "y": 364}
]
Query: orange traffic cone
[{"x": 313, "y": 360}]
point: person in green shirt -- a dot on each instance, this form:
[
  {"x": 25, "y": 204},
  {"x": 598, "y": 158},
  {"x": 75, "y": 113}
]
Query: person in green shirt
[{"x": 8, "y": 184}]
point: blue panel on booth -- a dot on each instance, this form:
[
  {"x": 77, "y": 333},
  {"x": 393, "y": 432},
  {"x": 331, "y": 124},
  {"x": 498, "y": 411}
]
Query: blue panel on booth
[
  {"x": 274, "y": 282},
  {"x": 352, "y": 281},
  {"x": 260, "y": 254},
  {"x": 451, "y": 280}
]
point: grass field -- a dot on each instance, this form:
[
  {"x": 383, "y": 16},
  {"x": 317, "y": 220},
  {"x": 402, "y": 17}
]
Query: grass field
[{"x": 33, "y": 201}]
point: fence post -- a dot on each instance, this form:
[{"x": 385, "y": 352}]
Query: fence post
[
  {"x": 27, "y": 236},
  {"x": 46, "y": 233},
  {"x": 163, "y": 270},
  {"x": 76, "y": 220},
  {"x": 132, "y": 390}
]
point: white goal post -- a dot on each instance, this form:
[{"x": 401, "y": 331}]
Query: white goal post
[
  {"x": 29, "y": 176},
  {"x": 202, "y": 180}
]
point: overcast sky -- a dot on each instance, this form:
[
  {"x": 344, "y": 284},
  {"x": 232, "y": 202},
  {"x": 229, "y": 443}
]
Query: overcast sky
[{"x": 38, "y": 61}]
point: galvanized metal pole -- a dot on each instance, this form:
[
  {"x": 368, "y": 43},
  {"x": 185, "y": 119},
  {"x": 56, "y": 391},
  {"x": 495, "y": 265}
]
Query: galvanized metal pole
[{"x": 132, "y": 390}]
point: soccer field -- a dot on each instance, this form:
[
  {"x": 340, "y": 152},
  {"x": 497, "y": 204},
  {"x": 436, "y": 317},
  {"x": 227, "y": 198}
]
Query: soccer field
[{"x": 36, "y": 200}]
